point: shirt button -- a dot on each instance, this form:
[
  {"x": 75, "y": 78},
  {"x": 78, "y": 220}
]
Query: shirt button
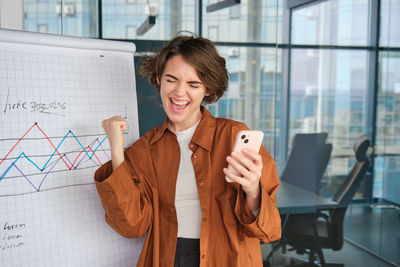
[
  {"x": 205, "y": 219},
  {"x": 191, "y": 145},
  {"x": 203, "y": 256},
  {"x": 202, "y": 184},
  {"x": 195, "y": 156}
]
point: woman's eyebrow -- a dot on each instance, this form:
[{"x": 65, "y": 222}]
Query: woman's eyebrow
[{"x": 171, "y": 76}]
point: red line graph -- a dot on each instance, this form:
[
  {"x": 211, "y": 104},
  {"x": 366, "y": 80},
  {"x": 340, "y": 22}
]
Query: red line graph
[{"x": 56, "y": 150}]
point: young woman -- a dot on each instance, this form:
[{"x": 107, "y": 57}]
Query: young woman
[{"x": 171, "y": 182}]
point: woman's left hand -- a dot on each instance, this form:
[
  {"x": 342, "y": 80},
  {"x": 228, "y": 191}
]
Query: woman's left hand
[{"x": 250, "y": 168}]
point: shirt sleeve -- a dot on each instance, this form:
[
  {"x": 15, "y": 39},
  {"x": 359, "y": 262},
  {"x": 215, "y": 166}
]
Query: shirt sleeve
[
  {"x": 267, "y": 226},
  {"x": 127, "y": 208}
]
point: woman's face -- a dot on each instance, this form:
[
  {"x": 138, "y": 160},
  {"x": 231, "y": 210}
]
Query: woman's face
[{"x": 182, "y": 93}]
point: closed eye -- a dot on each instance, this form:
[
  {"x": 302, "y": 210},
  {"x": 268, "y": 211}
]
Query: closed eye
[
  {"x": 170, "y": 78},
  {"x": 195, "y": 84}
]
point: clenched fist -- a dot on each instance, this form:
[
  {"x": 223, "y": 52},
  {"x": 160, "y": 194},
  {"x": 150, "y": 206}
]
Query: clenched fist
[{"x": 113, "y": 128}]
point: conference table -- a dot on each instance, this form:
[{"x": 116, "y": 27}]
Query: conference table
[{"x": 292, "y": 199}]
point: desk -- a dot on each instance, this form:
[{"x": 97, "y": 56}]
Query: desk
[{"x": 292, "y": 199}]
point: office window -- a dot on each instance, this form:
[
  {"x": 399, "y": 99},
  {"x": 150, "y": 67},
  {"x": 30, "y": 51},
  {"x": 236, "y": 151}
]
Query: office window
[
  {"x": 131, "y": 31},
  {"x": 172, "y": 17},
  {"x": 335, "y": 22},
  {"x": 42, "y": 28},
  {"x": 234, "y": 12},
  {"x": 253, "y": 93},
  {"x": 213, "y": 32},
  {"x": 387, "y": 165},
  {"x": 249, "y": 21},
  {"x": 327, "y": 94},
  {"x": 79, "y": 17},
  {"x": 390, "y": 19}
]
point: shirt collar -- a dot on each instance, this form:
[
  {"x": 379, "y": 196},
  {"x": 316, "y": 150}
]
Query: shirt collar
[{"x": 204, "y": 134}]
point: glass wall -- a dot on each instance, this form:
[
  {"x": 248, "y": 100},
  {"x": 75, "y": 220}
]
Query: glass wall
[
  {"x": 389, "y": 35},
  {"x": 123, "y": 18},
  {"x": 328, "y": 94},
  {"x": 335, "y": 22},
  {"x": 387, "y": 166},
  {"x": 335, "y": 87},
  {"x": 251, "y": 21},
  {"x": 328, "y": 87},
  {"x": 253, "y": 92},
  {"x": 316, "y": 80},
  {"x": 74, "y": 18}
]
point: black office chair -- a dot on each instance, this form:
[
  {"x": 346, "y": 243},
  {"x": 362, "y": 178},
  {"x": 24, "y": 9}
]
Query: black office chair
[
  {"x": 305, "y": 167},
  {"x": 310, "y": 233},
  {"x": 307, "y": 161}
]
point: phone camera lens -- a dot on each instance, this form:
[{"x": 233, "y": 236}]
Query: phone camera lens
[
  {"x": 243, "y": 136},
  {"x": 246, "y": 141}
]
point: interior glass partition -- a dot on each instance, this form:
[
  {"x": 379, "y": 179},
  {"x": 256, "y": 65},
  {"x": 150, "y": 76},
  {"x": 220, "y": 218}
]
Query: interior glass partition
[
  {"x": 333, "y": 53},
  {"x": 328, "y": 86},
  {"x": 387, "y": 163},
  {"x": 328, "y": 94}
]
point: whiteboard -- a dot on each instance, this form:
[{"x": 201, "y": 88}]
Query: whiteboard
[{"x": 54, "y": 93}]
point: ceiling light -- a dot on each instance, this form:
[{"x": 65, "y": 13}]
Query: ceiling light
[
  {"x": 221, "y": 5},
  {"x": 146, "y": 25}
]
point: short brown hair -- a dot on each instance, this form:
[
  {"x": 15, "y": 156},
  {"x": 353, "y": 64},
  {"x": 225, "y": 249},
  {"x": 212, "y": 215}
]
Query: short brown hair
[{"x": 198, "y": 52}]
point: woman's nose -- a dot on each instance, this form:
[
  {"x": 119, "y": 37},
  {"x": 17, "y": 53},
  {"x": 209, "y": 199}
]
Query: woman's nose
[{"x": 180, "y": 88}]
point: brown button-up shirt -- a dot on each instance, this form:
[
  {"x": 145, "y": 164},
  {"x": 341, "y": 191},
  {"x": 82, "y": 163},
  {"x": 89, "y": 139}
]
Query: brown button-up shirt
[{"x": 139, "y": 197}]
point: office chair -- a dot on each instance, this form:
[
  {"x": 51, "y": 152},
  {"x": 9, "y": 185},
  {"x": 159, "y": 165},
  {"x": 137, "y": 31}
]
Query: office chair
[
  {"x": 310, "y": 233},
  {"x": 307, "y": 161},
  {"x": 306, "y": 164}
]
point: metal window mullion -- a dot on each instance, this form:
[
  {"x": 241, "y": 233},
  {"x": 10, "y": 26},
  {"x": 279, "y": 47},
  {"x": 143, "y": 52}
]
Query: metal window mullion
[
  {"x": 100, "y": 19},
  {"x": 199, "y": 18},
  {"x": 285, "y": 96},
  {"x": 372, "y": 83}
]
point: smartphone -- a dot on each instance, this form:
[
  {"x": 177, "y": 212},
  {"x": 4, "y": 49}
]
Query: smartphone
[{"x": 250, "y": 139}]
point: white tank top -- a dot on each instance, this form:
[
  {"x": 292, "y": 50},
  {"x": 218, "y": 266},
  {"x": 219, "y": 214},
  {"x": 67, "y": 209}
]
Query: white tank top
[{"x": 187, "y": 202}]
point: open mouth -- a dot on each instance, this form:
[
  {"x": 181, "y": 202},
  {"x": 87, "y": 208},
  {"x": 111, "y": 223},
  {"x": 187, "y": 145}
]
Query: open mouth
[{"x": 179, "y": 105}]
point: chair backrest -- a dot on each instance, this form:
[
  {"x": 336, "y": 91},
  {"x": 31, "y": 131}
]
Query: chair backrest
[
  {"x": 349, "y": 187},
  {"x": 307, "y": 160},
  {"x": 347, "y": 190}
]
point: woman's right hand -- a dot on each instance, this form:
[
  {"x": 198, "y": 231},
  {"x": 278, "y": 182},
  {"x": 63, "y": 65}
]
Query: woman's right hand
[{"x": 113, "y": 128}]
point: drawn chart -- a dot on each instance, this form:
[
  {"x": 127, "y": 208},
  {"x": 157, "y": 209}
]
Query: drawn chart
[
  {"x": 69, "y": 160},
  {"x": 54, "y": 93}
]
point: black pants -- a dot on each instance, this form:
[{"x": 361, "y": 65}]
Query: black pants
[{"x": 187, "y": 252}]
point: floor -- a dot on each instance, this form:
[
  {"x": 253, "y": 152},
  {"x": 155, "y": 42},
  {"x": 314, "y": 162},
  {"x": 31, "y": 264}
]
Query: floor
[
  {"x": 372, "y": 238},
  {"x": 377, "y": 229}
]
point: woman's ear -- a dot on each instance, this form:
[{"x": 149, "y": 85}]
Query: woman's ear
[
  {"x": 158, "y": 81},
  {"x": 207, "y": 92}
]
